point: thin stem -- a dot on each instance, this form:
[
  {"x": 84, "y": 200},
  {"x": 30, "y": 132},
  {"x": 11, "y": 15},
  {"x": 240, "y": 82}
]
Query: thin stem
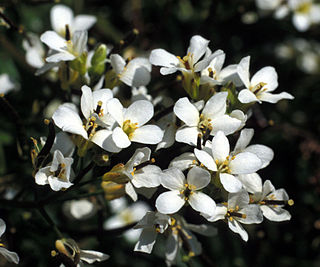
[{"x": 46, "y": 216}]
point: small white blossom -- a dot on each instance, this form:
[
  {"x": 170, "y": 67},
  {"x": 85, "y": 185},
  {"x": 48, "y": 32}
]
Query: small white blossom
[
  {"x": 237, "y": 211},
  {"x": 61, "y": 15},
  {"x": 9, "y": 255},
  {"x": 212, "y": 119},
  {"x": 228, "y": 165},
  {"x": 260, "y": 86},
  {"x": 131, "y": 123},
  {"x": 6, "y": 85},
  {"x": 134, "y": 73},
  {"x": 184, "y": 190},
  {"x": 57, "y": 175}
]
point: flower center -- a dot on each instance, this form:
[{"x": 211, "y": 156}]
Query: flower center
[
  {"x": 304, "y": 8},
  {"x": 258, "y": 88},
  {"x": 187, "y": 191},
  {"x": 205, "y": 125},
  {"x": 61, "y": 172},
  {"x": 212, "y": 73},
  {"x": 99, "y": 110},
  {"x": 223, "y": 167},
  {"x": 234, "y": 213},
  {"x": 91, "y": 126},
  {"x": 129, "y": 128},
  {"x": 187, "y": 61}
]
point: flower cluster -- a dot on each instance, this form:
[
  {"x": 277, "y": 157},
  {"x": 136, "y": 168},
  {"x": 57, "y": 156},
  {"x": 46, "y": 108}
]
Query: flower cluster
[{"x": 123, "y": 138}]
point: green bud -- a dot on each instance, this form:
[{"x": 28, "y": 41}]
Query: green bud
[
  {"x": 80, "y": 64},
  {"x": 99, "y": 55}
]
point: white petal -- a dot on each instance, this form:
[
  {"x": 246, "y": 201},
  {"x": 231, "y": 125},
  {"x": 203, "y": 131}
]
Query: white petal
[
  {"x": 237, "y": 228},
  {"x": 9, "y": 255},
  {"x": 147, "y": 134},
  {"x": 69, "y": 121},
  {"x": 169, "y": 202},
  {"x": 216, "y": 105},
  {"x": 130, "y": 191},
  {"x": 267, "y": 188},
  {"x": 41, "y": 177},
  {"x": 120, "y": 138},
  {"x": 202, "y": 64},
  {"x": 90, "y": 256},
  {"x": 56, "y": 184},
  {"x": 117, "y": 63},
  {"x": 173, "y": 179},
  {"x": 86, "y": 101},
  {"x": 81, "y": 209},
  {"x": 206, "y": 159},
  {"x": 54, "y": 41},
  {"x": 148, "y": 176},
  {"x": 226, "y": 124},
  {"x": 186, "y": 112},
  {"x": 160, "y": 57},
  {"x": 168, "y": 137},
  {"x": 116, "y": 110},
  {"x": 246, "y": 96},
  {"x": 202, "y": 203},
  {"x": 140, "y": 112},
  {"x": 60, "y": 15},
  {"x": 274, "y": 98},
  {"x": 202, "y": 229},
  {"x": 243, "y": 140},
  {"x": 253, "y": 214},
  {"x": 146, "y": 241},
  {"x": 264, "y": 153},
  {"x": 197, "y": 48},
  {"x": 251, "y": 182},
  {"x": 103, "y": 138},
  {"x": 198, "y": 177},
  {"x": 220, "y": 147},
  {"x": 240, "y": 199},
  {"x": 245, "y": 163},
  {"x": 83, "y": 22},
  {"x": 61, "y": 56},
  {"x": 137, "y": 72},
  {"x": 243, "y": 71},
  {"x": 166, "y": 71},
  {"x": 172, "y": 247},
  {"x": 275, "y": 214},
  {"x": 183, "y": 162},
  {"x": 188, "y": 135},
  {"x": 267, "y": 75},
  {"x": 230, "y": 183},
  {"x": 79, "y": 40},
  {"x": 2, "y": 227},
  {"x": 301, "y": 22}
]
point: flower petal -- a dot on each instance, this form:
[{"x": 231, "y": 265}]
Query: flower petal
[
  {"x": 274, "y": 98},
  {"x": 237, "y": 228},
  {"x": 264, "y": 153},
  {"x": 173, "y": 179},
  {"x": 54, "y": 41},
  {"x": 146, "y": 241},
  {"x": 246, "y": 96},
  {"x": 90, "y": 256},
  {"x": 197, "y": 48},
  {"x": 116, "y": 110},
  {"x": 169, "y": 202},
  {"x": 245, "y": 163},
  {"x": 186, "y": 112},
  {"x": 216, "y": 105},
  {"x": 103, "y": 138},
  {"x": 120, "y": 138},
  {"x": 83, "y": 22},
  {"x": 147, "y": 134},
  {"x": 230, "y": 183},
  {"x": 86, "y": 101},
  {"x": 60, "y": 15},
  {"x": 243, "y": 71},
  {"x": 220, "y": 147},
  {"x": 160, "y": 57},
  {"x": 206, "y": 159},
  {"x": 198, "y": 177},
  {"x": 202, "y": 203},
  {"x": 266, "y": 75},
  {"x": 243, "y": 140},
  {"x": 140, "y": 112},
  {"x": 188, "y": 135}
]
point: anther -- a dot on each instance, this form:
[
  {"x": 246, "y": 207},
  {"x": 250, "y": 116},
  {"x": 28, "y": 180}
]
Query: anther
[
  {"x": 67, "y": 33},
  {"x": 199, "y": 141},
  {"x": 143, "y": 164}
]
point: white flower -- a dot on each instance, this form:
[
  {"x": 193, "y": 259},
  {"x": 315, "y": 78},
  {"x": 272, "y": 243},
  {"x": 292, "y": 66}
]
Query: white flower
[
  {"x": 226, "y": 164},
  {"x": 260, "y": 86},
  {"x": 57, "y": 175},
  {"x": 184, "y": 161},
  {"x": 94, "y": 109},
  {"x": 268, "y": 4},
  {"x": 168, "y": 125},
  {"x": 125, "y": 215},
  {"x": 185, "y": 190},
  {"x": 136, "y": 173},
  {"x": 212, "y": 119},
  {"x": 131, "y": 123},
  {"x": 214, "y": 74},
  {"x": 9, "y": 255},
  {"x": 79, "y": 209},
  {"x": 61, "y": 15},
  {"x": 238, "y": 211},
  {"x": 190, "y": 63},
  {"x": 6, "y": 85},
  {"x": 264, "y": 153},
  {"x": 305, "y": 13},
  {"x": 271, "y": 201},
  {"x": 65, "y": 50},
  {"x": 134, "y": 73},
  {"x": 35, "y": 52},
  {"x": 152, "y": 224},
  {"x": 70, "y": 249}
]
